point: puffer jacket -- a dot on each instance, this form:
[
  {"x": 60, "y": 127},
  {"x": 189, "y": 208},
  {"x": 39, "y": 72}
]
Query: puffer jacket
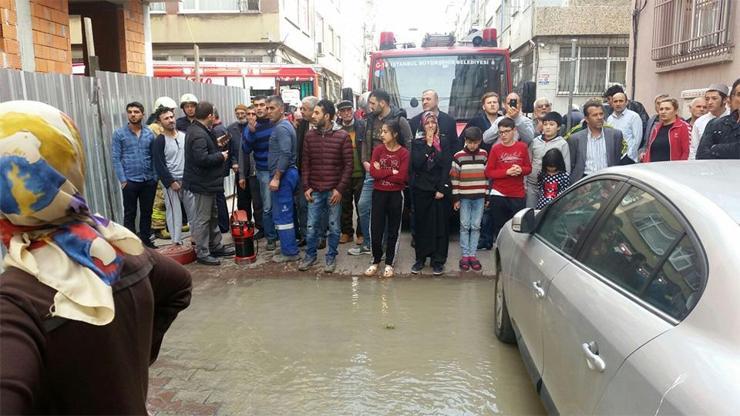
[
  {"x": 372, "y": 132},
  {"x": 327, "y": 160},
  {"x": 204, "y": 162}
]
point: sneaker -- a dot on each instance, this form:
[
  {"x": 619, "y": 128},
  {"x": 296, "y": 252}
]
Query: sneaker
[
  {"x": 438, "y": 270},
  {"x": 270, "y": 245},
  {"x": 260, "y": 235},
  {"x": 359, "y": 251},
  {"x": 306, "y": 264},
  {"x": 322, "y": 244},
  {"x": 345, "y": 238},
  {"x": 301, "y": 242},
  {"x": 223, "y": 252},
  {"x": 417, "y": 267},
  {"x": 465, "y": 264},
  {"x": 331, "y": 265},
  {"x": 209, "y": 261},
  {"x": 281, "y": 258},
  {"x": 475, "y": 264},
  {"x": 388, "y": 272},
  {"x": 149, "y": 243}
]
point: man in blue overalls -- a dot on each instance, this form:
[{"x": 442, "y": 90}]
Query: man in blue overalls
[{"x": 284, "y": 178}]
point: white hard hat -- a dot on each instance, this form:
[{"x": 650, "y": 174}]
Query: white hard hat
[
  {"x": 165, "y": 102},
  {"x": 188, "y": 98}
]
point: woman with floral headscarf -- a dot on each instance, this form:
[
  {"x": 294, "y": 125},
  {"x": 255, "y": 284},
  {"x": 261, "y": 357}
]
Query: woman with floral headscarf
[
  {"x": 431, "y": 161},
  {"x": 83, "y": 305}
]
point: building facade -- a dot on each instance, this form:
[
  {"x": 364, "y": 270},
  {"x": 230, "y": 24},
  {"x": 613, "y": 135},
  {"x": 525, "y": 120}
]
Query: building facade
[
  {"x": 317, "y": 33},
  {"x": 539, "y": 34},
  {"x": 36, "y": 35},
  {"x": 682, "y": 46}
]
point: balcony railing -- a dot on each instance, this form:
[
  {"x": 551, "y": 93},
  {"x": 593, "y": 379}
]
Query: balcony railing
[{"x": 690, "y": 30}]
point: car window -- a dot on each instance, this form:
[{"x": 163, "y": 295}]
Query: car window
[
  {"x": 567, "y": 219},
  {"x": 643, "y": 248},
  {"x": 631, "y": 243},
  {"x": 677, "y": 286}
]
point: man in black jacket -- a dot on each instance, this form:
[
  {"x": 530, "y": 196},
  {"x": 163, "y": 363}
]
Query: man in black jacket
[
  {"x": 447, "y": 124},
  {"x": 490, "y": 104},
  {"x": 721, "y": 138},
  {"x": 203, "y": 178}
]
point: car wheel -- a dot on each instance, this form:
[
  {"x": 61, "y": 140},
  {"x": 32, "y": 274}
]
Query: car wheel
[{"x": 502, "y": 323}]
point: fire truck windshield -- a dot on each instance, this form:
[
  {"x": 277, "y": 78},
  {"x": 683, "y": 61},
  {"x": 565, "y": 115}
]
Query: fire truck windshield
[{"x": 460, "y": 81}]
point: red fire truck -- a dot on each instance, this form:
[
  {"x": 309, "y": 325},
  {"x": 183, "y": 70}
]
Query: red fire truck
[{"x": 460, "y": 74}]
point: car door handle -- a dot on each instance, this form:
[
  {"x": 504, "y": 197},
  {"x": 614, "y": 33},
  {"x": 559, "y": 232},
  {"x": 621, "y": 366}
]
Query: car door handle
[
  {"x": 595, "y": 363},
  {"x": 539, "y": 292}
]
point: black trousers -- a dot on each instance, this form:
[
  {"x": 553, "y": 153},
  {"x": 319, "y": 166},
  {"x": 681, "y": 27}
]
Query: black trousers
[
  {"x": 433, "y": 233},
  {"x": 223, "y": 212},
  {"x": 248, "y": 199},
  {"x": 141, "y": 194},
  {"x": 351, "y": 199},
  {"x": 387, "y": 210},
  {"x": 502, "y": 209}
]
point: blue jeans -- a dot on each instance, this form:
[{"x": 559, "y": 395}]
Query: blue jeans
[
  {"x": 268, "y": 226},
  {"x": 471, "y": 213},
  {"x": 317, "y": 211},
  {"x": 364, "y": 207}
]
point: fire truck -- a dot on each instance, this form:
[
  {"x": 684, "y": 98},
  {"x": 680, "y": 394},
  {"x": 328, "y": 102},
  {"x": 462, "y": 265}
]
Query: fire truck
[{"x": 460, "y": 72}]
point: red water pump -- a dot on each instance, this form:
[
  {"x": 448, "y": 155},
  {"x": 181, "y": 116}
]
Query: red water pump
[{"x": 242, "y": 232}]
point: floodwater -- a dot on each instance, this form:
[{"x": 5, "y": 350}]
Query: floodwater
[{"x": 343, "y": 346}]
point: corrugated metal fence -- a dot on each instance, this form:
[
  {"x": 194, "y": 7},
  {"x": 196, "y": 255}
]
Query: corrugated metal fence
[{"x": 98, "y": 107}]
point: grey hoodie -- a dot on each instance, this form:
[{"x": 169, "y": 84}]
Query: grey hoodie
[{"x": 537, "y": 150}]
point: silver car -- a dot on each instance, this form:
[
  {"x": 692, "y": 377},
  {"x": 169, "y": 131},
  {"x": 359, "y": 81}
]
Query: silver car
[{"x": 623, "y": 295}]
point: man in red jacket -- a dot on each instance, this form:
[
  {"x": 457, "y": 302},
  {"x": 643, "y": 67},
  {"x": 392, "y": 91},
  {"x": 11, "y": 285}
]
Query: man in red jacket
[
  {"x": 326, "y": 174},
  {"x": 508, "y": 165}
]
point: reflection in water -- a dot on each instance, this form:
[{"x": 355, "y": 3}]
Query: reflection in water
[{"x": 310, "y": 347}]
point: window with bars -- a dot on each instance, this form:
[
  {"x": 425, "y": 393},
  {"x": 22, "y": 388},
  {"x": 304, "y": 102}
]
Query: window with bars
[
  {"x": 230, "y": 6},
  {"x": 597, "y": 67},
  {"x": 689, "y": 30}
]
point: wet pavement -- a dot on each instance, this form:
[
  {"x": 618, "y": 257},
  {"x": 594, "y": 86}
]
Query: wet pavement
[{"x": 268, "y": 340}]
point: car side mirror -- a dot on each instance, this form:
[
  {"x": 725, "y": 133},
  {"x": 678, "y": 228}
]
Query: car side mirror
[
  {"x": 524, "y": 221},
  {"x": 414, "y": 102}
]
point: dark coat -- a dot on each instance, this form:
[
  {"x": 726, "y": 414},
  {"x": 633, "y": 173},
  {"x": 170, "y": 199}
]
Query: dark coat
[
  {"x": 182, "y": 124},
  {"x": 300, "y": 133},
  {"x": 327, "y": 160},
  {"x": 721, "y": 139},
  {"x": 430, "y": 169},
  {"x": 60, "y": 366},
  {"x": 159, "y": 161},
  {"x": 483, "y": 123},
  {"x": 369, "y": 142},
  {"x": 203, "y": 161}
]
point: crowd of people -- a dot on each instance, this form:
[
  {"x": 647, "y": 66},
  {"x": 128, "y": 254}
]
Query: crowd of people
[{"x": 334, "y": 174}]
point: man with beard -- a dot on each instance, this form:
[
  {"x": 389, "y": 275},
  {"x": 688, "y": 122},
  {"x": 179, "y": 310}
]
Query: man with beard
[
  {"x": 490, "y": 106},
  {"x": 379, "y": 105},
  {"x": 132, "y": 162},
  {"x": 168, "y": 154},
  {"x": 326, "y": 173}
]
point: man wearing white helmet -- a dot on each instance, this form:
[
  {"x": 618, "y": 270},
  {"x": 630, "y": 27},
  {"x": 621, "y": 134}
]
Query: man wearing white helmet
[{"x": 188, "y": 102}]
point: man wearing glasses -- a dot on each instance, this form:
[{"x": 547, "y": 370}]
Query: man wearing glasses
[{"x": 542, "y": 106}]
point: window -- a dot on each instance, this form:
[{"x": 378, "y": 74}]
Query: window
[
  {"x": 339, "y": 47},
  {"x": 567, "y": 220},
  {"x": 320, "y": 30},
  {"x": 157, "y": 7},
  {"x": 330, "y": 40},
  {"x": 303, "y": 16},
  {"x": 249, "y": 5},
  {"x": 689, "y": 30},
  {"x": 596, "y": 69},
  {"x": 643, "y": 248},
  {"x": 209, "y": 6}
]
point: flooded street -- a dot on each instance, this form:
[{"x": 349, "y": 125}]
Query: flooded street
[{"x": 340, "y": 346}]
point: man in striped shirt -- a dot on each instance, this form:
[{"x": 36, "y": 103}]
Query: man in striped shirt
[{"x": 469, "y": 185}]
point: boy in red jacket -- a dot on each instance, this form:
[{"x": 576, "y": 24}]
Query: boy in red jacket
[{"x": 508, "y": 165}]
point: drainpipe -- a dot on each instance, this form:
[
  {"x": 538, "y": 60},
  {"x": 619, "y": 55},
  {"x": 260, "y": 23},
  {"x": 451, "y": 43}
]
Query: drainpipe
[
  {"x": 148, "y": 55},
  {"x": 635, "y": 21}
]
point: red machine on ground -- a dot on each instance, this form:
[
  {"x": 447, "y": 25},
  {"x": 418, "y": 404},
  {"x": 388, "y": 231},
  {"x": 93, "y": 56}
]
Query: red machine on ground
[{"x": 460, "y": 73}]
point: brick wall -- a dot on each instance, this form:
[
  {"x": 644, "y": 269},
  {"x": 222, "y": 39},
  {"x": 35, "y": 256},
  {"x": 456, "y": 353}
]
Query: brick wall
[
  {"x": 134, "y": 32},
  {"x": 10, "y": 56},
  {"x": 51, "y": 39}
]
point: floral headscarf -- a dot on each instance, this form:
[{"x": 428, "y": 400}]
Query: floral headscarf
[
  {"x": 429, "y": 116},
  {"x": 45, "y": 222}
]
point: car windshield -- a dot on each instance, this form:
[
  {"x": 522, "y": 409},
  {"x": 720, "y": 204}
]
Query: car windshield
[{"x": 460, "y": 81}]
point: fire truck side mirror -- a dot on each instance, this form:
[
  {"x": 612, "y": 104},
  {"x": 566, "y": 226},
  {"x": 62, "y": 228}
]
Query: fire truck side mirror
[{"x": 414, "y": 102}]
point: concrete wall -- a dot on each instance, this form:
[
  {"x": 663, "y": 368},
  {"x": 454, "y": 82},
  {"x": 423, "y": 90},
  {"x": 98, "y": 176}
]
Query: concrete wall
[
  {"x": 579, "y": 20},
  {"x": 680, "y": 82},
  {"x": 186, "y": 29}
]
